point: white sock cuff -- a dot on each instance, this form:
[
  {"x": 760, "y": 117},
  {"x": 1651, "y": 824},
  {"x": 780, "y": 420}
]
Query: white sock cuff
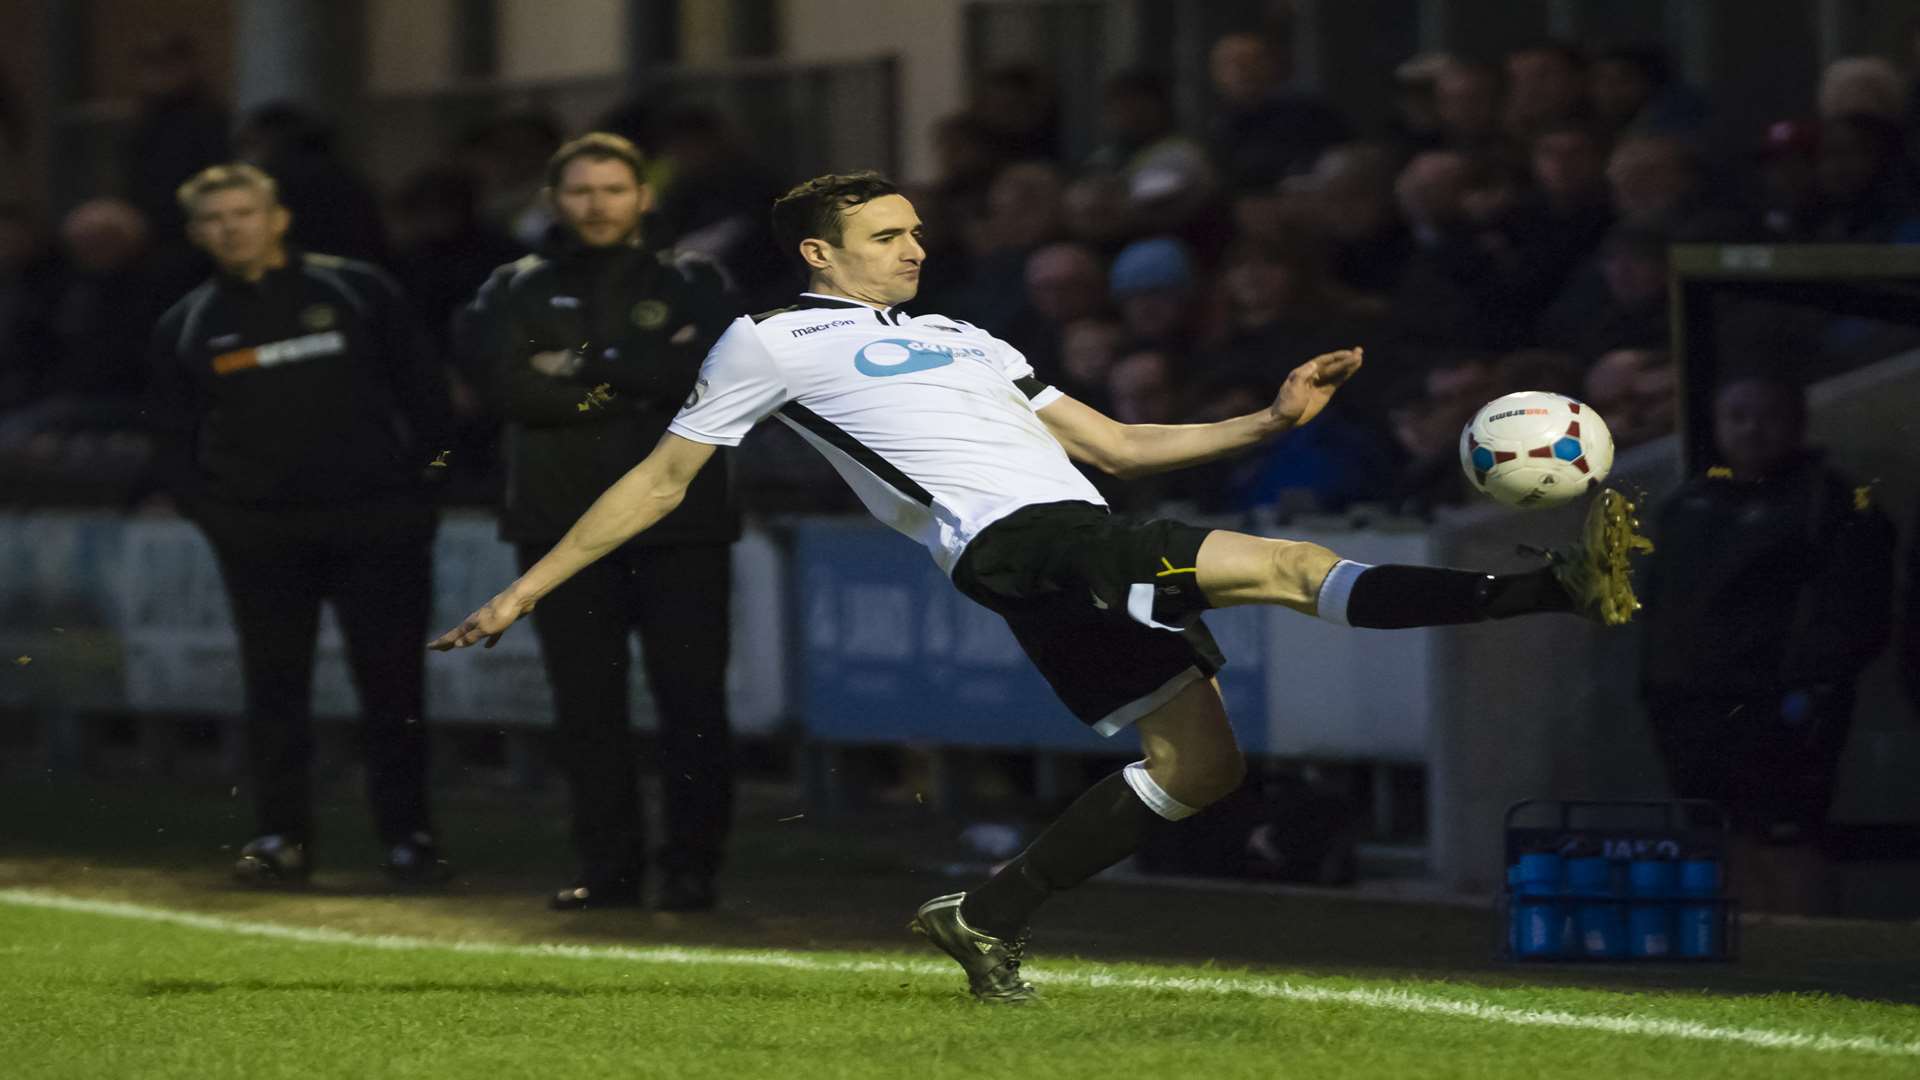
[
  {"x": 1154, "y": 795},
  {"x": 1335, "y": 590}
]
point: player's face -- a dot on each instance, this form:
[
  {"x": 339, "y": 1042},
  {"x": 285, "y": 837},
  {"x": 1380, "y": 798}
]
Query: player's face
[
  {"x": 879, "y": 255},
  {"x": 242, "y": 229},
  {"x": 601, "y": 200}
]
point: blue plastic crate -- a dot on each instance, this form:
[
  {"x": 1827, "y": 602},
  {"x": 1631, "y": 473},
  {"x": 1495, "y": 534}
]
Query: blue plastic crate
[{"x": 1616, "y": 881}]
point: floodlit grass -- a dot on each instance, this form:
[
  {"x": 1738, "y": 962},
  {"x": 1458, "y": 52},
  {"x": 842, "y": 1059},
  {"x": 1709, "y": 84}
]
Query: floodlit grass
[{"x": 96, "y": 989}]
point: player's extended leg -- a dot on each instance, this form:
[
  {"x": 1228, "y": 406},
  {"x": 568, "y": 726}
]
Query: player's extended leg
[
  {"x": 1191, "y": 762},
  {"x": 1590, "y": 577}
]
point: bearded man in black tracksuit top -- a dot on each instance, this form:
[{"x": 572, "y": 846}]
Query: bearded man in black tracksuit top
[
  {"x": 299, "y": 407},
  {"x": 593, "y": 349}
]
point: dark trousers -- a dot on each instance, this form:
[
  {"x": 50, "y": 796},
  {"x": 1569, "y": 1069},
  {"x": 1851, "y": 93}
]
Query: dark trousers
[
  {"x": 1771, "y": 759},
  {"x": 376, "y": 570},
  {"x": 677, "y": 597}
]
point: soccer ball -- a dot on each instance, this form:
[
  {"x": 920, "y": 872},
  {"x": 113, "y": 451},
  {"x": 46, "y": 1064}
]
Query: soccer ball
[{"x": 1536, "y": 449}]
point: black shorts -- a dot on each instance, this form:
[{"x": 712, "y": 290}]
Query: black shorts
[{"x": 1106, "y": 606}]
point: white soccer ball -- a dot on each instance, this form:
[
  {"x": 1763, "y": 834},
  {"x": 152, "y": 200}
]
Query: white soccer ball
[{"x": 1536, "y": 449}]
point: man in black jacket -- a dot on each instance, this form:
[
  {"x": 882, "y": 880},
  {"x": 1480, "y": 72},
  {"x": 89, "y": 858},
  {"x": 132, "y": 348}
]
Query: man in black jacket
[
  {"x": 1769, "y": 593},
  {"x": 300, "y": 407},
  {"x": 593, "y": 350}
]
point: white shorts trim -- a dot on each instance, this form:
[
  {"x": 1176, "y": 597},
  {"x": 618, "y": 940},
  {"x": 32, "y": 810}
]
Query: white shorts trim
[
  {"x": 1119, "y": 718},
  {"x": 1155, "y": 796}
]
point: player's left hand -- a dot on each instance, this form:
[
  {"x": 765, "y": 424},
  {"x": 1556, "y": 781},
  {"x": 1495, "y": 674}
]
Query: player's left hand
[
  {"x": 487, "y": 625},
  {"x": 1311, "y": 385}
]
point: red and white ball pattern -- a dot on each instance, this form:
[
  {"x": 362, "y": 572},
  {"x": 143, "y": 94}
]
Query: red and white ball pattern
[{"x": 1536, "y": 449}]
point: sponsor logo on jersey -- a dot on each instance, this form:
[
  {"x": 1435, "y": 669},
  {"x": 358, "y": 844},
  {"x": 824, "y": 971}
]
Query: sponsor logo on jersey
[
  {"x": 649, "y": 314},
  {"x": 699, "y": 391},
  {"x": 223, "y": 341},
  {"x": 903, "y": 356},
  {"x": 290, "y": 351},
  {"x": 805, "y": 330}
]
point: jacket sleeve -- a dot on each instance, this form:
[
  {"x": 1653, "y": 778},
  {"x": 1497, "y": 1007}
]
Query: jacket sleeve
[
  {"x": 666, "y": 377},
  {"x": 1846, "y": 613},
  {"x": 477, "y": 331}
]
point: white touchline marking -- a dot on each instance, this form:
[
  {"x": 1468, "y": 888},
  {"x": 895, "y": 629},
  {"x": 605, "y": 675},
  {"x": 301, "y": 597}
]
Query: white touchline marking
[{"x": 1390, "y": 999}]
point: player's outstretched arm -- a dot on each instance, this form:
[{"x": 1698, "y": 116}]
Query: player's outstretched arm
[
  {"x": 648, "y": 492},
  {"x": 1127, "y": 450}
]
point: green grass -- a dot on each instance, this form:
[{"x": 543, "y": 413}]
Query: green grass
[
  {"x": 154, "y": 966},
  {"x": 92, "y": 993}
]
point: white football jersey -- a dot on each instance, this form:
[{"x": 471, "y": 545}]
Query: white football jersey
[{"x": 920, "y": 413}]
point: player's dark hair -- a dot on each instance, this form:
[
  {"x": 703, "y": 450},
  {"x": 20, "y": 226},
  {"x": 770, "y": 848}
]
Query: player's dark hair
[
  {"x": 595, "y": 146},
  {"x": 816, "y": 210}
]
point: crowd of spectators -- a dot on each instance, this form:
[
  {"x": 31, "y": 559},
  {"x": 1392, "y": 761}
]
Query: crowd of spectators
[{"x": 1506, "y": 229}]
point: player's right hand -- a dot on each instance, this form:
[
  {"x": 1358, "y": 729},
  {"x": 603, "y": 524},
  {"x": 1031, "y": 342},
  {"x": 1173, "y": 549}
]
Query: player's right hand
[{"x": 486, "y": 625}]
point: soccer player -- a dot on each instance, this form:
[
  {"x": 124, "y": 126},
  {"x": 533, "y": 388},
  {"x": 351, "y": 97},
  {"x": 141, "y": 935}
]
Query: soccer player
[{"x": 948, "y": 437}]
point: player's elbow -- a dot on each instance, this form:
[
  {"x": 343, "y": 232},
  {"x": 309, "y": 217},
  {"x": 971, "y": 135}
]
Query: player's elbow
[
  {"x": 1117, "y": 456},
  {"x": 664, "y": 496}
]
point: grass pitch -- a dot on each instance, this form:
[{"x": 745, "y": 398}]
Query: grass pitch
[
  {"x": 102, "y": 989},
  {"x": 123, "y": 953}
]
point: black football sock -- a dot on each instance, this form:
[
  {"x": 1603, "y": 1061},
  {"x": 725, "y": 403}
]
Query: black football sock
[
  {"x": 1394, "y": 597},
  {"x": 1108, "y": 823}
]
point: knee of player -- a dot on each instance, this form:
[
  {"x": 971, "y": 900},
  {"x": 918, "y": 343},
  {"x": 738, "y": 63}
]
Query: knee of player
[
  {"x": 1206, "y": 782},
  {"x": 1301, "y": 564}
]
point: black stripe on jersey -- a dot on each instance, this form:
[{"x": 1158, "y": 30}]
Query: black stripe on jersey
[
  {"x": 1031, "y": 386},
  {"x": 819, "y": 300},
  {"x": 834, "y": 436},
  {"x": 811, "y": 301}
]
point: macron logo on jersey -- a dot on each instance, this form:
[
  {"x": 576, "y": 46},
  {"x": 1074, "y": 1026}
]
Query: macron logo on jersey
[
  {"x": 805, "y": 330},
  {"x": 901, "y": 356}
]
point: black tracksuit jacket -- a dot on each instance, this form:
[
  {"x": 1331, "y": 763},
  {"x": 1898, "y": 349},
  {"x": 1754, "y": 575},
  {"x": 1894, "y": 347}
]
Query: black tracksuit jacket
[
  {"x": 642, "y": 321},
  {"x": 312, "y": 388}
]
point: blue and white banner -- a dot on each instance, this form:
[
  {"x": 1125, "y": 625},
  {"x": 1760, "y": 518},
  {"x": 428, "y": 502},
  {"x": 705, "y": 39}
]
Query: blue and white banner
[
  {"x": 107, "y": 612},
  {"x": 847, "y": 628},
  {"x": 889, "y": 651}
]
